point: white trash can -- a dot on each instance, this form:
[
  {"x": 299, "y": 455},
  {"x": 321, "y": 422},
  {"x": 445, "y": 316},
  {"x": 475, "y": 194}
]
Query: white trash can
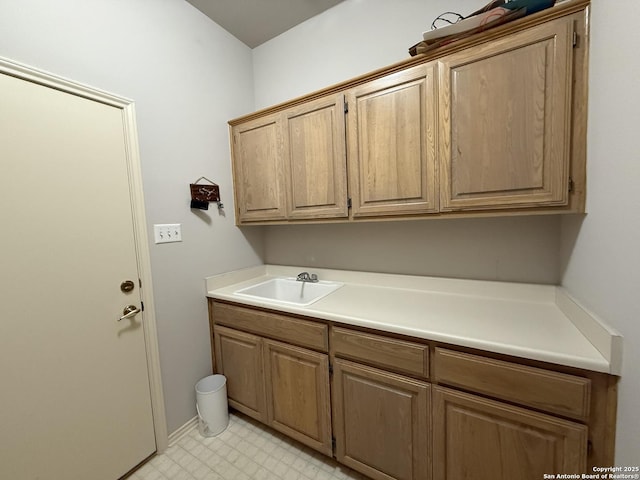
[{"x": 211, "y": 404}]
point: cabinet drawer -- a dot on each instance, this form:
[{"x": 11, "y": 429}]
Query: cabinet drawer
[
  {"x": 547, "y": 390},
  {"x": 280, "y": 327},
  {"x": 389, "y": 353}
]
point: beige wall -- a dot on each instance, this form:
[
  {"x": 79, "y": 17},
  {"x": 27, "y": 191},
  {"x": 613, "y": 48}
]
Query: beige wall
[
  {"x": 187, "y": 77},
  {"x": 600, "y": 261},
  {"x": 509, "y": 249}
]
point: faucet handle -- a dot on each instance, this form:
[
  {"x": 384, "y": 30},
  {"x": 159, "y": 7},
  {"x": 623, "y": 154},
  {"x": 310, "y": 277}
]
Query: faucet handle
[{"x": 305, "y": 277}]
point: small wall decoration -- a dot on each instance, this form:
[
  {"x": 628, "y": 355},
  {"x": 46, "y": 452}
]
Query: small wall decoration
[{"x": 202, "y": 194}]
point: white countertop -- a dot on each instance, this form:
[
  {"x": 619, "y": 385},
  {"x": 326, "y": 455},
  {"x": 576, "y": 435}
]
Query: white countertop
[{"x": 537, "y": 322}]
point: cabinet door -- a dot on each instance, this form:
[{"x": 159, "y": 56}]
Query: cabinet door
[
  {"x": 505, "y": 121},
  {"x": 381, "y": 422},
  {"x": 239, "y": 359},
  {"x": 258, "y": 169},
  {"x": 297, "y": 383},
  {"x": 391, "y": 141},
  {"x": 479, "y": 439},
  {"x": 315, "y": 153}
]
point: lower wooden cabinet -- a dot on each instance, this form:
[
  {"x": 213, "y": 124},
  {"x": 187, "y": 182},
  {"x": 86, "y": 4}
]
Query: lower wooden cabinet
[
  {"x": 479, "y": 439},
  {"x": 281, "y": 385},
  {"x": 239, "y": 358},
  {"x": 381, "y": 422},
  {"x": 400, "y": 408},
  {"x": 297, "y": 387}
]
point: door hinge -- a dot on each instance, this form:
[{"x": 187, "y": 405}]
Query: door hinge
[
  {"x": 330, "y": 369},
  {"x": 346, "y": 107},
  {"x": 333, "y": 444},
  {"x": 142, "y": 306},
  {"x": 571, "y": 185},
  {"x": 348, "y": 202},
  {"x": 575, "y": 39},
  {"x": 140, "y": 282}
]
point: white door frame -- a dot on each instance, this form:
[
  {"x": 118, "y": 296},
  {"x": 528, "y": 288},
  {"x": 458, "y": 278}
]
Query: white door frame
[{"x": 31, "y": 74}]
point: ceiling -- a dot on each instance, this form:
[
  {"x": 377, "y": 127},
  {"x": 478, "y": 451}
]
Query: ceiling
[{"x": 256, "y": 21}]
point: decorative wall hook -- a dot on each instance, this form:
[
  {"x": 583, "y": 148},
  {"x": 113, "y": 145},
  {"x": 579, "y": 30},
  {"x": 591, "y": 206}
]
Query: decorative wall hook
[{"x": 202, "y": 194}]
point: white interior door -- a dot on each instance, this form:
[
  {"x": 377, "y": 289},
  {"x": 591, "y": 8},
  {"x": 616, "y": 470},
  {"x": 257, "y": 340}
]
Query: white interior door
[{"x": 74, "y": 386}]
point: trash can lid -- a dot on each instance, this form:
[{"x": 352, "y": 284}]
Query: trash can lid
[{"x": 211, "y": 384}]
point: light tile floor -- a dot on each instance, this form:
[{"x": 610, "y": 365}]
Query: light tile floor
[{"x": 245, "y": 450}]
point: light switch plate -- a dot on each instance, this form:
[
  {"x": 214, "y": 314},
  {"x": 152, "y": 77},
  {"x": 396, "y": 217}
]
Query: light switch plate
[{"x": 167, "y": 232}]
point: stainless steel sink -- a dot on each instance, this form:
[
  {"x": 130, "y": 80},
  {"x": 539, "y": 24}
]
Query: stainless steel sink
[{"x": 290, "y": 291}]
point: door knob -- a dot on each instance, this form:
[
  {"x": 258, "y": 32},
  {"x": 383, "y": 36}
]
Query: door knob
[
  {"x": 127, "y": 286},
  {"x": 129, "y": 311}
]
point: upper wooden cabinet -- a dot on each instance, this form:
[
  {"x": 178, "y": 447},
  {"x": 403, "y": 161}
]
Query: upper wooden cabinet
[
  {"x": 316, "y": 159},
  {"x": 258, "y": 170},
  {"x": 292, "y": 164},
  {"x": 391, "y": 141},
  {"x": 505, "y": 120},
  {"x": 491, "y": 124}
]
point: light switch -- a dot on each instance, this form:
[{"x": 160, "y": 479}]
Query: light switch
[{"x": 167, "y": 233}]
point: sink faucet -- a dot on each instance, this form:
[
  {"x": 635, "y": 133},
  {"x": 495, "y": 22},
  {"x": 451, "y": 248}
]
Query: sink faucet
[{"x": 305, "y": 277}]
